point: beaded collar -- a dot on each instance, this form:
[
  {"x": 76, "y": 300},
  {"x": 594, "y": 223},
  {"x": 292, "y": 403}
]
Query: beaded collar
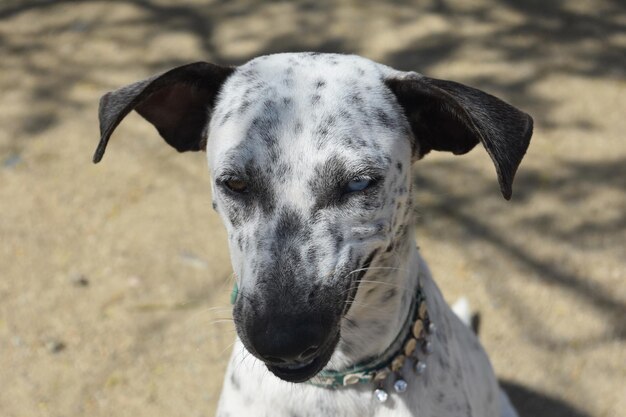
[{"x": 411, "y": 344}]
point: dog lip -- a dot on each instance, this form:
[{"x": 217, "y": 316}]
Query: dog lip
[
  {"x": 301, "y": 374},
  {"x": 297, "y": 366},
  {"x": 306, "y": 371}
]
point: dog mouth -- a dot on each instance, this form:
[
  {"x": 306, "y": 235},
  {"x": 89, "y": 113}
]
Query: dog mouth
[{"x": 303, "y": 371}]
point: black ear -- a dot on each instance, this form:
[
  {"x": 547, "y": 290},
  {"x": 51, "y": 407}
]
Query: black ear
[
  {"x": 178, "y": 103},
  {"x": 448, "y": 116}
]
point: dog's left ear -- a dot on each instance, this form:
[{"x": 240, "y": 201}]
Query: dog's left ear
[
  {"x": 178, "y": 103},
  {"x": 448, "y": 116}
]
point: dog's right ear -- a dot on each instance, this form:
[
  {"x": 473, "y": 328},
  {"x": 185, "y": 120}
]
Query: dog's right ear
[{"x": 178, "y": 103}]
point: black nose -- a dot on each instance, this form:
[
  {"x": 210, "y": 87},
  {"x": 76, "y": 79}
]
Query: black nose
[{"x": 287, "y": 340}]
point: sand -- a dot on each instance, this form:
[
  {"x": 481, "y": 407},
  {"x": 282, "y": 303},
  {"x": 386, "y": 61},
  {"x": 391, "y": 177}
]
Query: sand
[{"x": 115, "y": 278}]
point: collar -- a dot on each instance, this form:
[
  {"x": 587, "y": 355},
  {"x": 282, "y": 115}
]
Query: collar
[{"x": 410, "y": 347}]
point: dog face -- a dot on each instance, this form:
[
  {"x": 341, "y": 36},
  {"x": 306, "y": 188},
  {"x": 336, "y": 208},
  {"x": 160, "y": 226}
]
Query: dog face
[{"x": 310, "y": 158}]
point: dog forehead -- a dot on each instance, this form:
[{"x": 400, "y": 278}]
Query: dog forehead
[
  {"x": 277, "y": 69},
  {"x": 304, "y": 103}
]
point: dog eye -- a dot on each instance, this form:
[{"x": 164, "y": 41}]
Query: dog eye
[
  {"x": 236, "y": 186},
  {"x": 358, "y": 184}
]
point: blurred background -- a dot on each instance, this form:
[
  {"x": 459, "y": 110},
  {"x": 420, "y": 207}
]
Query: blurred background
[{"x": 114, "y": 279}]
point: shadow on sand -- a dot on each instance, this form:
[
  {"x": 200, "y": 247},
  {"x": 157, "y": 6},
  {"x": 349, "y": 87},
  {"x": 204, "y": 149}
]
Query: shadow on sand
[{"x": 529, "y": 403}]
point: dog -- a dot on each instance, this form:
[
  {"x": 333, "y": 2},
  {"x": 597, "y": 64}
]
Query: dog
[{"x": 310, "y": 156}]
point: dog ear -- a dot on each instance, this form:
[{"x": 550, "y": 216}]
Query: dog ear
[
  {"x": 448, "y": 116},
  {"x": 178, "y": 103}
]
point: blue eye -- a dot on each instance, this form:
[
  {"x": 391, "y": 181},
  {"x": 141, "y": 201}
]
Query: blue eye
[{"x": 358, "y": 184}]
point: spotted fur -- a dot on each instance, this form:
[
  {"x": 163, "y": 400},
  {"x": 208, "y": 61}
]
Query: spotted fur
[{"x": 325, "y": 274}]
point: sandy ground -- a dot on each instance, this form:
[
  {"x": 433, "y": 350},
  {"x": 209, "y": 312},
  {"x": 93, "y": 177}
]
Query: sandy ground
[{"x": 114, "y": 279}]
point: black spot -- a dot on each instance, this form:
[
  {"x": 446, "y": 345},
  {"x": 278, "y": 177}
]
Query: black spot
[
  {"x": 344, "y": 115},
  {"x": 384, "y": 119},
  {"x": 399, "y": 166},
  {"x": 245, "y": 105},
  {"x": 356, "y": 99},
  {"x": 240, "y": 241},
  {"x": 250, "y": 73},
  {"x": 319, "y": 84},
  {"x": 287, "y": 101},
  {"x": 440, "y": 397},
  {"x": 312, "y": 255},
  {"x": 322, "y": 130},
  {"x": 235, "y": 382},
  {"x": 443, "y": 363},
  {"x": 281, "y": 171},
  {"x": 297, "y": 127},
  {"x": 225, "y": 118},
  {"x": 347, "y": 142},
  {"x": 315, "y": 98}
]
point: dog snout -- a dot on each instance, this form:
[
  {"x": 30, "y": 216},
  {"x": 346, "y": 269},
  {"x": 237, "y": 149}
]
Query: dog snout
[{"x": 287, "y": 339}]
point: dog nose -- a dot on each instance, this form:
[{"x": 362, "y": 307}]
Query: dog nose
[{"x": 287, "y": 341}]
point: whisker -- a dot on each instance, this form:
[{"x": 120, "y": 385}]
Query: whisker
[
  {"x": 389, "y": 284},
  {"x": 218, "y": 321},
  {"x": 230, "y": 345}
]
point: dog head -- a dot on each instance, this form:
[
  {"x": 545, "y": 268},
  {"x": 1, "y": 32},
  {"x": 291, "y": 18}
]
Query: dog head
[{"x": 310, "y": 156}]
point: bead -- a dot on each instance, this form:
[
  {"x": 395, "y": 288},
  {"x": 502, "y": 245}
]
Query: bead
[
  {"x": 381, "y": 395},
  {"x": 427, "y": 348},
  {"x": 400, "y": 386},
  {"x": 420, "y": 367},
  {"x": 432, "y": 328},
  {"x": 381, "y": 375},
  {"x": 397, "y": 363},
  {"x": 418, "y": 328},
  {"x": 423, "y": 310},
  {"x": 351, "y": 379},
  {"x": 409, "y": 346}
]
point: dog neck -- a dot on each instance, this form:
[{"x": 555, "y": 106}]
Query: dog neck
[{"x": 381, "y": 306}]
